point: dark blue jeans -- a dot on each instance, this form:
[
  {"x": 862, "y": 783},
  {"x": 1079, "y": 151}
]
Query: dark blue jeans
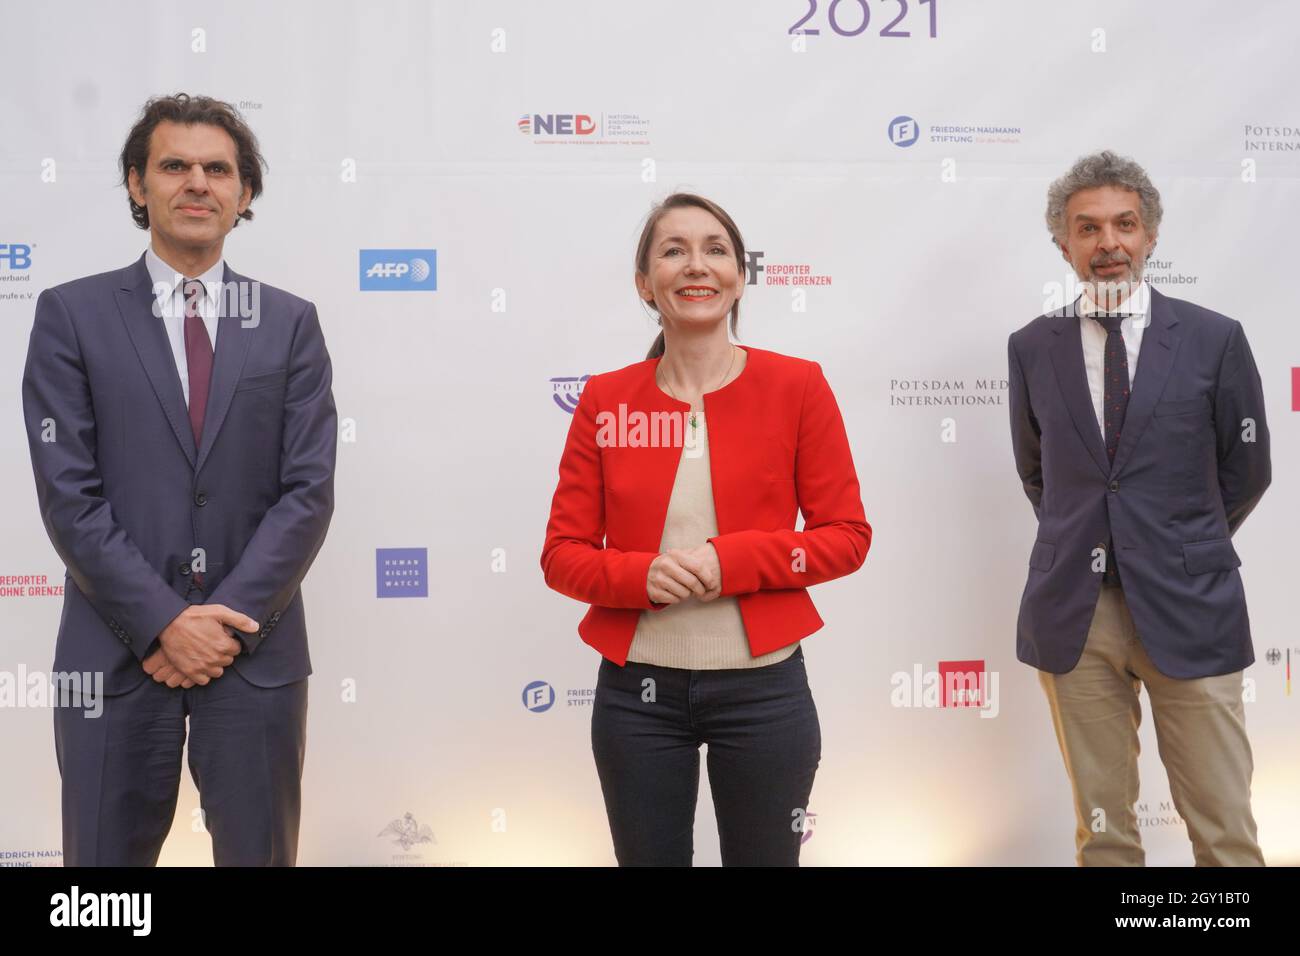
[{"x": 764, "y": 741}]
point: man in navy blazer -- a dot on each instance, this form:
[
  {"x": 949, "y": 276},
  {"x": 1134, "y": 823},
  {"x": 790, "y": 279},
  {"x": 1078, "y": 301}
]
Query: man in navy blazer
[
  {"x": 1137, "y": 423},
  {"x": 182, "y": 433}
]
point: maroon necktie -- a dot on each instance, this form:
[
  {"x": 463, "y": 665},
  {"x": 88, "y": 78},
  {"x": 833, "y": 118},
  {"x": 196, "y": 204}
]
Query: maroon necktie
[{"x": 198, "y": 356}]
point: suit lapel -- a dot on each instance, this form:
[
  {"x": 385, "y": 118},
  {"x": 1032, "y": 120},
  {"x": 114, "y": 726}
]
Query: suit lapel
[
  {"x": 1160, "y": 344},
  {"x": 233, "y": 341},
  {"x": 135, "y": 303},
  {"x": 1067, "y": 360}
]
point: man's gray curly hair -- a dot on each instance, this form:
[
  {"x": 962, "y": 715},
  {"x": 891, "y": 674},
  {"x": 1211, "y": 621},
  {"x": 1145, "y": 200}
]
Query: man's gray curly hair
[{"x": 1102, "y": 169}]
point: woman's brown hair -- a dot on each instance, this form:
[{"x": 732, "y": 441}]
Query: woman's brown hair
[{"x": 679, "y": 201}]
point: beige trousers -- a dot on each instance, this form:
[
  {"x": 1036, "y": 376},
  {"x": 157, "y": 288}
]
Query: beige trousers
[{"x": 1201, "y": 732}]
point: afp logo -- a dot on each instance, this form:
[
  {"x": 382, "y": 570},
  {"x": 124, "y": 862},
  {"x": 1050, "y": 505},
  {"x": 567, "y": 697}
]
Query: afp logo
[
  {"x": 399, "y": 270},
  {"x": 15, "y": 256}
]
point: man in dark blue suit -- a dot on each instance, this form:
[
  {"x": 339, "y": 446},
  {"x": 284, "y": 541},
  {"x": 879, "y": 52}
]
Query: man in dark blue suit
[
  {"x": 182, "y": 432},
  {"x": 1138, "y": 427}
]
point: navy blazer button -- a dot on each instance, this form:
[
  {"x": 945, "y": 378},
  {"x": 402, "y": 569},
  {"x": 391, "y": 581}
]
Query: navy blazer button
[
  {"x": 200, "y": 499},
  {"x": 1114, "y": 486},
  {"x": 185, "y": 569}
]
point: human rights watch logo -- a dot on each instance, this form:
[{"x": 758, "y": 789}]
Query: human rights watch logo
[
  {"x": 399, "y": 270},
  {"x": 401, "y": 572}
]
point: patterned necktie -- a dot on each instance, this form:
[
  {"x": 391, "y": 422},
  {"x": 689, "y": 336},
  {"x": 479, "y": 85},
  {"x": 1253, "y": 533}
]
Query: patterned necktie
[
  {"x": 198, "y": 356},
  {"x": 1114, "y": 400},
  {"x": 1114, "y": 403}
]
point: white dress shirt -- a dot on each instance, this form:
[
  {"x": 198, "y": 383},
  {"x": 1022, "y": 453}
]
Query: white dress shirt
[
  {"x": 1136, "y": 311},
  {"x": 172, "y": 306}
]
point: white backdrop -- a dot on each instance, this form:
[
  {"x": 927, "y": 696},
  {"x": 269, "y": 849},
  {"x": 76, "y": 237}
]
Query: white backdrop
[{"x": 398, "y": 126}]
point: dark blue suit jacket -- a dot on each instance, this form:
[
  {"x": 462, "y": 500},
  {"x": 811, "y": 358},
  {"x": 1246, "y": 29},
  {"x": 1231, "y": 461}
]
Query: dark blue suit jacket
[
  {"x": 1185, "y": 476},
  {"x": 126, "y": 496}
]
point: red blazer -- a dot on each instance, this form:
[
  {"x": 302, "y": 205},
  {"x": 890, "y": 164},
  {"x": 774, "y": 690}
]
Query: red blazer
[{"x": 776, "y": 444}]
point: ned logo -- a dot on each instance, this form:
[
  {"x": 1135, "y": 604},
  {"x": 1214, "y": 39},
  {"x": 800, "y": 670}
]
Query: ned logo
[
  {"x": 399, "y": 270},
  {"x": 556, "y": 124}
]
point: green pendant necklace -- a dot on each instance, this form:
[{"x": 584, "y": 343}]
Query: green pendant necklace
[{"x": 694, "y": 423}]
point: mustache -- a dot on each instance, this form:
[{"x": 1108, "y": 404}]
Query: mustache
[{"x": 1111, "y": 259}]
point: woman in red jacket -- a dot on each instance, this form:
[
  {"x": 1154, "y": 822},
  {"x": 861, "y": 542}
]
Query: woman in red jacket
[{"x": 674, "y": 519}]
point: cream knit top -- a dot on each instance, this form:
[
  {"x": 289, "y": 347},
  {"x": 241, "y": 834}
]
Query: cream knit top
[{"x": 692, "y": 634}]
